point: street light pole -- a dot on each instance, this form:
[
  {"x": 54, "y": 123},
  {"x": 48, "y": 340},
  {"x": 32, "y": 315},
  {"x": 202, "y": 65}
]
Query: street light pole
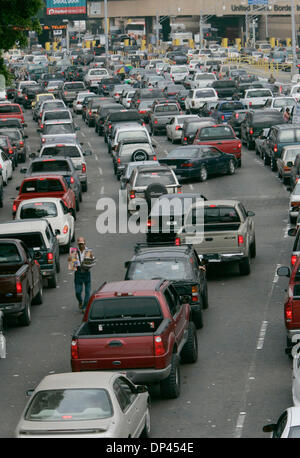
[
  {"x": 105, "y": 29},
  {"x": 293, "y": 37},
  {"x": 200, "y": 31}
]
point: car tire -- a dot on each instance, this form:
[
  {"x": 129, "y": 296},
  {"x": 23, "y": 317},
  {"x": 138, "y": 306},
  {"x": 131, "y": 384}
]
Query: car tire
[
  {"x": 198, "y": 319},
  {"x": 52, "y": 282},
  {"x": 38, "y": 299},
  {"x": 170, "y": 386},
  {"x": 203, "y": 174},
  {"x": 250, "y": 145},
  {"x": 273, "y": 165},
  {"x": 253, "y": 249},
  {"x": 77, "y": 205},
  {"x": 25, "y": 318},
  {"x": 266, "y": 159},
  {"x": 147, "y": 428},
  {"x": 189, "y": 352},
  {"x": 1, "y": 198},
  {"x": 244, "y": 266},
  {"x": 231, "y": 167},
  {"x": 205, "y": 299}
]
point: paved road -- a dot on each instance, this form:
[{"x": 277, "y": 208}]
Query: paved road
[{"x": 242, "y": 378}]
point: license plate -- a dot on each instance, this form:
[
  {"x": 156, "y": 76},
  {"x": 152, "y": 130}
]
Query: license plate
[
  {"x": 173, "y": 167},
  {"x": 213, "y": 258},
  {"x": 171, "y": 223}
]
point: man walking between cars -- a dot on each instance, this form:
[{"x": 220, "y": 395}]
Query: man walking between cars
[{"x": 80, "y": 260}]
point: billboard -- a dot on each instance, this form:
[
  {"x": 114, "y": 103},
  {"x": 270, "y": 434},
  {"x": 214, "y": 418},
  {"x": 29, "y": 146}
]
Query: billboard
[{"x": 57, "y": 7}]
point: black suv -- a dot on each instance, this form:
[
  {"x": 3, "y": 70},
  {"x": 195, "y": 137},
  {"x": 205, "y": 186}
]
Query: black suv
[
  {"x": 181, "y": 265},
  {"x": 257, "y": 120},
  {"x": 279, "y": 136}
]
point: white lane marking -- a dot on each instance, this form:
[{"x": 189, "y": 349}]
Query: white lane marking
[
  {"x": 240, "y": 424},
  {"x": 191, "y": 186},
  {"x": 102, "y": 190},
  {"x": 83, "y": 134},
  {"x": 96, "y": 157},
  {"x": 262, "y": 334},
  {"x": 275, "y": 279},
  {"x": 100, "y": 170},
  {"x": 89, "y": 144}
]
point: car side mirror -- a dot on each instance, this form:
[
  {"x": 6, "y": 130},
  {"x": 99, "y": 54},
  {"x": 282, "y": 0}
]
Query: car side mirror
[
  {"x": 290, "y": 164},
  {"x": 269, "y": 428},
  {"x": 57, "y": 232},
  {"x": 25, "y": 136},
  {"x": 25, "y": 124},
  {"x": 32, "y": 155},
  {"x": 88, "y": 152},
  {"x": 39, "y": 129},
  {"x": 283, "y": 272},
  {"x": 17, "y": 188},
  {"x": 23, "y": 170},
  {"x": 126, "y": 264},
  {"x": 77, "y": 128},
  {"x": 29, "y": 392},
  {"x": 250, "y": 213}
]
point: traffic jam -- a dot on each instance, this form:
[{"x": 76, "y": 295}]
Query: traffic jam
[{"x": 182, "y": 139}]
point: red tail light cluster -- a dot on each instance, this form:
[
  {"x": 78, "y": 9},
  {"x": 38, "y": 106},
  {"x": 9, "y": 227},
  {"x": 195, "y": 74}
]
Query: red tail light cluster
[
  {"x": 177, "y": 241},
  {"x": 50, "y": 258},
  {"x": 293, "y": 259},
  {"x": 288, "y": 310},
  {"x": 74, "y": 350},
  {"x": 83, "y": 168},
  {"x": 251, "y": 131},
  {"x": 18, "y": 287},
  {"x": 159, "y": 349},
  {"x": 241, "y": 240}
]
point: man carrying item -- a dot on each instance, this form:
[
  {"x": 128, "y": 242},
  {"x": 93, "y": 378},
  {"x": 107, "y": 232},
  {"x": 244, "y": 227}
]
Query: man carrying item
[{"x": 81, "y": 260}]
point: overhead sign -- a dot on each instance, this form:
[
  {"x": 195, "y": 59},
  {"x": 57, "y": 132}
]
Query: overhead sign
[
  {"x": 257, "y": 2},
  {"x": 59, "y": 7}
]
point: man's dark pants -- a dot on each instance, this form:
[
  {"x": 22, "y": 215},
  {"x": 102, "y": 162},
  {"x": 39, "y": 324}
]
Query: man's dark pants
[{"x": 82, "y": 278}]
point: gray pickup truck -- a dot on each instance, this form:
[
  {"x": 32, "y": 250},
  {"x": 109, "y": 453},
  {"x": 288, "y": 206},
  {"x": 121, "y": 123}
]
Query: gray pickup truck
[
  {"x": 69, "y": 91},
  {"x": 161, "y": 115},
  {"x": 221, "y": 231}
]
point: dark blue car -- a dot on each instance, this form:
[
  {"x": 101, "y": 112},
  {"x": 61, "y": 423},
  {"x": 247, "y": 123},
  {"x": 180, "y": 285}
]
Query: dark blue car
[
  {"x": 225, "y": 108},
  {"x": 199, "y": 161}
]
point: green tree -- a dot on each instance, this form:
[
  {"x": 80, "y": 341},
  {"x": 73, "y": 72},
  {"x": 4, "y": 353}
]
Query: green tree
[{"x": 17, "y": 17}]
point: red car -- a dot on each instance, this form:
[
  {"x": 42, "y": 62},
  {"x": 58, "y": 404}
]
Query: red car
[
  {"x": 140, "y": 326},
  {"x": 12, "y": 110},
  {"x": 223, "y": 137},
  {"x": 45, "y": 186},
  {"x": 291, "y": 303}
]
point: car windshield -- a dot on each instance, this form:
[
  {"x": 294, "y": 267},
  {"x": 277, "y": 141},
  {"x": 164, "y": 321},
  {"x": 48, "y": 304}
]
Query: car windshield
[
  {"x": 73, "y": 86},
  {"x": 59, "y": 129},
  {"x": 59, "y": 114},
  {"x": 38, "y": 210},
  {"x": 61, "y": 150},
  {"x": 3, "y": 141},
  {"x": 69, "y": 405},
  {"x": 212, "y": 132},
  {"x": 283, "y": 102},
  {"x": 122, "y": 307},
  {"x": 9, "y": 253},
  {"x": 204, "y": 93},
  {"x": 163, "y": 177},
  {"x": 170, "y": 269}
]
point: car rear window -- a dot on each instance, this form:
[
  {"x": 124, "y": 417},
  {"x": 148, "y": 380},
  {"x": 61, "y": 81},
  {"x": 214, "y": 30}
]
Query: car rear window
[
  {"x": 10, "y": 109},
  {"x": 203, "y": 77},
  {"x": 183, "y": 153},
  {"x": 130, "y": 135},
  {"x": 215, "y": 132},
  {"x": 166, "y": 108},
  {"x": 163, "y": 177},
  {"x": 213, "y": 215},
  {"x": 3, "y": 141},
  {"x": 38, "y": 210},
  {"x": 63, "y": 150},
  {"x": 73, "y": 86},
  {"x": 231, "y": 106},
  {"x": 124, "y": 307},
  {"x": 283, "y": 102},
  {"x": 9, "y": 253},
  {"x": 171, "y": 269},
  {"x": 268, "y": 118},
  {"x": 59, "y": 114},
  {"x": 259, "y": 93},
  {"x": 69, "y": 405},
  {"x": 53, "y": 105},
  {"x": 41, "y": 185},
  {"x": 50, "y": 165},
  {"x": 205, "y": 93},
  {"x": 221, "y": 84},
  {"x": 33, "y": 240},
  {"x": 59, "y": 129}
]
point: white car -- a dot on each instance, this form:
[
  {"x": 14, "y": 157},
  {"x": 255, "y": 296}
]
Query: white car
[
  {"x": 86, "y": 405},
  {"x": 77, "y": 103},
  {"x": 194, "y": 64},
  {"x": 287, "y": 425},
  {"x": 256, "y": 98},
  {"x": 56, "y": 212},
  {"x": 94, "y": 76},
  {"x": 129, "y": 131},
  {"x": 202, "y": 80},
  {"x": 294, "y": 203},
  {"x": 281, "y": 102},
  {"x": 126, "y": 99},
  {"x": 178, "y": 72},
  {"x": 174, "y": 129},
  {"x": 197, "y": 97},
  {"x": 296, "y": 363},
  {"x": 295, "y": 92},
  {"x": 6, "y": 167}
]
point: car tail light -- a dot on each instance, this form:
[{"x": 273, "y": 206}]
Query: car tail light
[
  {"x": 251, "y": 131},
  {"x": 159, "y": 349},
  {"x": 14, "y": 208},
  {"x": 142, "y": 111},
  {"x": 65, "y": 229},
  {"x": 195, "y": 293},
  {"x": 50, "y": 258},
  {"x": 155, "y": 121},
  {"x": 239, "y": 145},
  {"x": 132, "y": 194},
  {"x": 177, "y": 127},
  {"x": 177, "y": 241},
  {"x": 188, "y": 164},
  {"x": 119, "y": 160},
  {"x": 72, "y": 180},
  {"x": 109, "y": 126},
  {"x": 154, "y": 158},
  {"x": 74, "y": 350},
  {"x": 18, "y": 287},
  {"x": 42, "y": 126},
  {"x": 43, "y": 140},
  {"x": 90, "y": 112},
  {"x": 275, "y": 149},
  {"x": 293, "y": 259},
  {"x": 236, "y": 115},
  {"x": 21, "y": 143},
  {"x": 185, "y": 139},
  {"x": 288, "y": 310},
  {"x": 241, "y": 240},
  {"x": 151, "y": 222},
  {"x": 83, "y": 169}
]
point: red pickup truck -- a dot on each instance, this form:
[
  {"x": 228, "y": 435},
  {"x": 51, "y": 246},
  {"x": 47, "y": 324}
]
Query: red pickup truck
[
  {"x": 140, "y": 326},
  {"x": 20, "y": 280},
  {"x": 45, "y": 186},
  {"x": 291, "y": 303},
  {"x": 223, "y": 137},
  {"x": 12, "y": 110}
]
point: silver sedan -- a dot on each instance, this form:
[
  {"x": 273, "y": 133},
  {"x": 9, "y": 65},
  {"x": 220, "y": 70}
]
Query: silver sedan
[
  {"x": 174, "y": 128},
  {"x": 86, "y": 405}
]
